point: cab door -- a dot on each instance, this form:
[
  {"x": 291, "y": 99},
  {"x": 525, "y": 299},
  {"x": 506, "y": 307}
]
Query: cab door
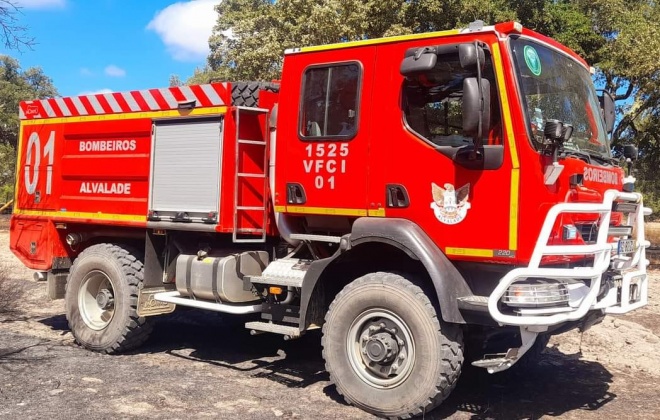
[
  {"x": 323, "y": 161},
  {"x": 420, "y": 151}
]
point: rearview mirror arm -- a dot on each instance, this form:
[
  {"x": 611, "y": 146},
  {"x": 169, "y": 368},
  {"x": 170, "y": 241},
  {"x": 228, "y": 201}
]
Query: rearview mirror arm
[{"x": 478, "y": 142}]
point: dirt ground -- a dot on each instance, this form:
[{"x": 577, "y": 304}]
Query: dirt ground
[{"x": 206, "y": 365}]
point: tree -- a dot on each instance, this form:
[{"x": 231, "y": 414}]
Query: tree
[
  {"x": 251, "y": 35},
  {"x": 175, "y": 80},
  {"x": 628, "y": 65},
  {"x": 14, "y": 35},
  {"x": 17, "y": 85}
]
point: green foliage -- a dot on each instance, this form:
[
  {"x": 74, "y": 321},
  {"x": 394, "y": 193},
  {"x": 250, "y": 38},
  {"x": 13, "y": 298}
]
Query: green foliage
[
  {"x": 7, "y": 171},
  {"x": 251, "y": 35},
  {"x": 175, "y": 80},
  {"x": 205, "y": 75},
  {"x": 630, "y": 65},
  {"x": 18, "y": 85}
]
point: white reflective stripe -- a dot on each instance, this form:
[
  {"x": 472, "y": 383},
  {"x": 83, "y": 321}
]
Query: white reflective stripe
[
  {"x": 149, "y": 99},
  {"x": 212, "y": 95},
  {"x": 188, "y": 93},
  {"x": 79, "y": 106},
  {"x": 49, "y": 109},
  {"x": 21, "y": 114},
  {"x": 63, "y": 107},
  {"x": 114, "y": 105},
  {"x": 130, "y": 101},
  {"x": 95, "y": 104},
  {"x": 169, "y": 98}
]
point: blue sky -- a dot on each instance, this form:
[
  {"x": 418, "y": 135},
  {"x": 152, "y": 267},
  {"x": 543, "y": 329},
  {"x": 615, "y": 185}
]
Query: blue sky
[{"x": 115, "y": 45}]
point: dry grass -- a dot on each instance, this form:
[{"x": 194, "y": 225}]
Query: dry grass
[
  {"x": 652, "y": 233},
  {"x": 5, "y": 221},
  {"x": 11, "y": 292}
]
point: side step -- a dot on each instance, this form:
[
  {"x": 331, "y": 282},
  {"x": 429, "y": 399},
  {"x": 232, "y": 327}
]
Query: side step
[
  {"x": 288, "y": 272},
  {"x": 499, "y": 362},
  {"x": 278, "y": 281},
  {"x": 474, "y": 303},
  {"x": 288, "y": 332}
]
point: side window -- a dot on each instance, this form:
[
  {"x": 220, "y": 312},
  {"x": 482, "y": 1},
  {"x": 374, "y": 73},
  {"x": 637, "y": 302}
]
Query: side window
[
  {"x": 328, "y": 107},
  {"x": 433, "y": 103}
]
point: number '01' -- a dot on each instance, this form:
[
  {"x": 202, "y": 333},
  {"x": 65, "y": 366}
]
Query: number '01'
[{"x": 34, "y": 150}]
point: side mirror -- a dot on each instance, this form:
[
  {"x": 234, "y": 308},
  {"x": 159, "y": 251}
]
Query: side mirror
[
  {"x": 422, "y": 61},
  {"x": 469, "y": 55},
  {"x": 630, "y": 152},
  {"x": 607, "y": 105},
  {"x": 474, "y": 111}
]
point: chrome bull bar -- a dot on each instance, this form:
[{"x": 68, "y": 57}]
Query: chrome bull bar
[{"x": 632, "y": 268}]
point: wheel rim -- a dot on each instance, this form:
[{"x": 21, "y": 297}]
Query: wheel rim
[
  {"x": 381, "y": 349},
  {"x": 96, "y": 300}
]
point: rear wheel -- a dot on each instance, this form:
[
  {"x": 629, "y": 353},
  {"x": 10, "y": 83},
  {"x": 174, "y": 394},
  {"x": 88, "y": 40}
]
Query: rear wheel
[
  {"x": 101, "y": 299},
  {"x": 386, "y": 349}
]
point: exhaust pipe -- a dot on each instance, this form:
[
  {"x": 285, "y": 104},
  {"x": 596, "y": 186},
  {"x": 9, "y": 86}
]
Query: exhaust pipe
[
  {"x": 40, "y": 275},
  {"x": 281, "y": 220}
]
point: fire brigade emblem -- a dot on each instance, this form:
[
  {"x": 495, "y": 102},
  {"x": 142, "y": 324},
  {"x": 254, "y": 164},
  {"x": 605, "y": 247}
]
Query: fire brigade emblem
[{"x": 450, "y": 205}]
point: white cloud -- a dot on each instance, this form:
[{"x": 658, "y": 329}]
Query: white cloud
[
  {"x": 96, "y": 92},
  {"x": 86, "y": 72},
  {"x": 185, "y": 28},
  {"x": 41, "y": 4},
  {"x": 114, "y": 71}
]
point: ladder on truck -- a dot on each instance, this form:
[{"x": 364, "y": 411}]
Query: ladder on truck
[{"x": 250, "y": 139}]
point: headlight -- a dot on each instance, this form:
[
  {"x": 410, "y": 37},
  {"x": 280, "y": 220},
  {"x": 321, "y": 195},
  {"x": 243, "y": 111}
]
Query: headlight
[{"x": 536, "y": 295}]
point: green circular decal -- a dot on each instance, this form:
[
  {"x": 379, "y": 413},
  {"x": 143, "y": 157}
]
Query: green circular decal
[{"x": 532, "y": 59}]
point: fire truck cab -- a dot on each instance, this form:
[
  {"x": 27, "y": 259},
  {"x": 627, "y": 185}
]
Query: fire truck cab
[{"x": 413, "y": 197}]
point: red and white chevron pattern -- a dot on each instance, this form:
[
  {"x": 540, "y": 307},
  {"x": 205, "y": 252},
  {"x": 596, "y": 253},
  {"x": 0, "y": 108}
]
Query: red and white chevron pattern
[{"x": 215, "y": 94}]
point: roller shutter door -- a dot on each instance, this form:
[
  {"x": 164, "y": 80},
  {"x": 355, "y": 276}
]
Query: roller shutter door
[{"x": 186, "y": 168}]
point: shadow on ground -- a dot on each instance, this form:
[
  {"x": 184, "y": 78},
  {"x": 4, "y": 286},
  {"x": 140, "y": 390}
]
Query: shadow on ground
[{"x": 559, "y": 384}]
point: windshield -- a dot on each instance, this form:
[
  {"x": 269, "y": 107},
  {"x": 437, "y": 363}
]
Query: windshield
[{"x": 557, "y": 87}]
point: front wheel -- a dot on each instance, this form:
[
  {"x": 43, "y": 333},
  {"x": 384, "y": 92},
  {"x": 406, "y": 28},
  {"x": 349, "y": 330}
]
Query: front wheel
[
  {"x": 386, "y": 349},
  {"x": 101, "y": 299}
]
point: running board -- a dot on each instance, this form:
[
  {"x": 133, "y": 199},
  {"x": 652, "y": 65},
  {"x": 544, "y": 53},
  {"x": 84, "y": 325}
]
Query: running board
[
  {"x": 278, "y": 281},
  {"x": 287, "y": 331},
  {"x": 473, "y": 303},
  {"x": 287, "y": 272},
  {"x": 178, "y": 299},
  {"x": 499, "y": 362}
]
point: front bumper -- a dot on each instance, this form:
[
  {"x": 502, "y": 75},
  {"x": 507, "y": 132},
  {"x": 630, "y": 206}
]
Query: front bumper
[{"x": 615, "y": 283}]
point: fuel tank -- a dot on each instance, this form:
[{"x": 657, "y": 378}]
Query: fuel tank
[{"x": 219, "y": 278}]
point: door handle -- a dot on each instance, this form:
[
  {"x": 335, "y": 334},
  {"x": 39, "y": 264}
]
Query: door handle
[
  {"x": 397, "y": 196},
  {"x": 295, "y": 193}
]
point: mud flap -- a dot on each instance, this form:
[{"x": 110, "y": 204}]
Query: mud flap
[
  {"x": 148, "y": 306},
  {"x": 56, "y": 285}
]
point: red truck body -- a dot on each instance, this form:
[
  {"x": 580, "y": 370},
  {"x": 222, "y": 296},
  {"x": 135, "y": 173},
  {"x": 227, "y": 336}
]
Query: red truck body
[{"x": 90, "y": 164}]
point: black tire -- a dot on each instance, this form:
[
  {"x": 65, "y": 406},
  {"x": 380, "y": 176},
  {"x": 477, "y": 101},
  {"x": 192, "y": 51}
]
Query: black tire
[
  {"x": 245, "y": 94},
  {"x": 436, "y": 352},
  {"x": 115, "y": 272}
]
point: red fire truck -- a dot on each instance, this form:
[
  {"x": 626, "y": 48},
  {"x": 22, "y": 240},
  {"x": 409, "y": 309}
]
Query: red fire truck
[{"x": 412, "y": 196}]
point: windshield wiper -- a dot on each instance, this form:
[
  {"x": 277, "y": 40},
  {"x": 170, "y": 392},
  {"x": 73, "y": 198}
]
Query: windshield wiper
[
  {"x": 579, "y": 154},
  {"x": 603, "y": 159},
  {"x": 588, "y": 156}
]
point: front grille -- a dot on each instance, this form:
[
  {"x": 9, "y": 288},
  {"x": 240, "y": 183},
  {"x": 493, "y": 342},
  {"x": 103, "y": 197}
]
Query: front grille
[{"x": 588, "y": 231}]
